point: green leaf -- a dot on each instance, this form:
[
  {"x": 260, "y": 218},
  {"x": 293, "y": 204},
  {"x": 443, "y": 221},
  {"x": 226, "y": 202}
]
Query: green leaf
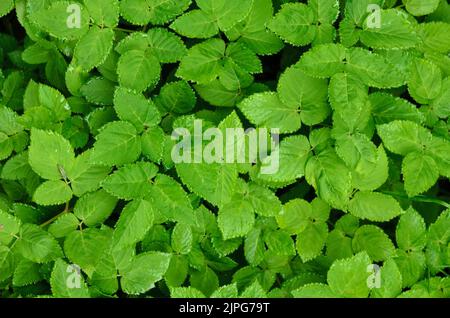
[
  {"x": 87, "y": 247},
  {"x": 135, "y": 220},
  {"x": 37, "y": 245},
  {"x": 52, "y": 192},
  {"x": 425, "y": 81},
  {"x": 104, "y": 279},
  {"x": 136, "y": 109},
  {"x": 6, "y": 7},
  {"x": 244, "y": 58},
  {"x": 63, "y": 19},
  {"x": 213, "y": 182},
  {"x": 134, "y": 41},
  {"x": 252, "y": 32},
  {"x": 440, "y": 105},
  {"x": 419, "y": 8},
  {"x": 357, "y": 10},
  {"x": 267, "y": 110},
  {"x": 311, "y": 241},
  {"x": 50, "y": 155},
  {"x": 185, "y": 292},
  {"x": 9, "y": 227},
  {"x": 144, "y": 271},
  {"x": 177, "y": 97},
  {"x": 402, "y": 137},
  {"x": 433, "y": 36},
  {"x": 314, "y": 290},
  {"x": 437, "y": 245},
  {"x": 308, "y": 222},
  {"x": 201, "y": 64},
  {"x": 66, "y": 282},
  {"x": 374, "y": 69},
  {"x": 369, "y": 175},
  {"x": 142, "y": 12},
  {"x": 93, "y": 48},
  {"x": 411, "y": 231},
  {"x": 138, "y": 70},
  {"x": 153, "y": 143},
  {"x": 7, "y": 263},
  {"x": 330, "y": 178},
  {"x": 308, "y": 94},
  {"x": 226, "y": 13},
  {"x": 64, "y": 225},
  {"x": 263, "y": 200},
  {"x": 182, "y": 238},
  {"x": 255, "y": 290},
  {"x": 108, "y": 67},
  {"x": 53, "y": 100},
  {"x": 166, "y": 46},
  {"x": 353, "y": 149},
  {"x": 94, "y": 208},
  {"x": 103, "y": 12},
  {"x": 323, "y": 60},
  {"x": 348, "y": 277},
  {"x": 411, "y": 265},
  {"x": 279, "y": 242},
  {"x": 9, "y": 123},
  {"x": 387, "y": 108},
  {"x": 99, "y": 91},
  {"x": 254, "y": 247},
  {"x": 6, "y": 146},
  {"x": 36, "y": 54},
  {"x": 170, "y": 201},
  {"x": 196, "y": 24},
  {"x": 433, "y": 287},
  {"x": 338, "y": 245},
  {"x": 293, "y": 23},
  {"x": 177, "y": 272},
  {"x": 439, "y": 149},
  {"x": 390, "y": 281},
  {"x": 394, "y": 32},
  {"x": 292, "y": 217},
  {"x": 116, "y": 144},
  {"x": 420, "y": 173},
  {"x": 349, "y": 98},
  {"x": 84, "y": 176},
  {"x": 206, "y": 281},
  {"x": 293, "y": 153},
  {"x": 236, "y": 218},
  {"x": 17, "y": 167},
  {"x": 374, "y": 241},
  {"x": 131, "y": 181},
  {"x": 26, "y": 273},
  {"x": 226, "y": 291},
  {"x": 325, "y": 11},
  {"x": 374, "y": 206}
]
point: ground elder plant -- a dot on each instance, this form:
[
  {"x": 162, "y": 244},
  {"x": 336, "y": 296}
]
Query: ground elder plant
[{"x": 108, "y": 188}]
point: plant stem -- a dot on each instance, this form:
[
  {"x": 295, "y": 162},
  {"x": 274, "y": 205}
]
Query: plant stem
[
  {"x": 124, "y": 30},
  {"x": 419, "y": 198},
  {"x": 66, "y": 209}
]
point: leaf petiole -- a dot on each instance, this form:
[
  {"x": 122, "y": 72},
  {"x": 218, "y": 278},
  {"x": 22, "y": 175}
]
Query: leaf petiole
[
  {"x": 419, "y": 198},
  {"x": 49, "y": 221}
]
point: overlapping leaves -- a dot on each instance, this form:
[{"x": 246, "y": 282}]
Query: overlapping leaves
[{"x": 358, "y": 91}]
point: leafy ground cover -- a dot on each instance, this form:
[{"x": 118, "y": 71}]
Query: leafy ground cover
[{"x": 92, "y": 203}]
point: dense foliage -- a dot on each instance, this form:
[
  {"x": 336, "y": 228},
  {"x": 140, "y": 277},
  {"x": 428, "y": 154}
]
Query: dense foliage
[{"x": 92, "y": 204}]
